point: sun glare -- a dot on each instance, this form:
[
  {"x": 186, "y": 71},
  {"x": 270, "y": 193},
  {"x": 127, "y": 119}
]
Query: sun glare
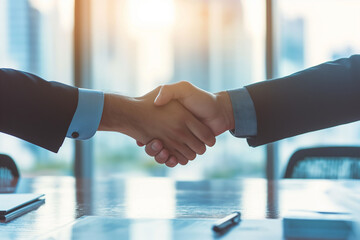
[
  {"x": 150, "y": 14},
  {"x": 43, "y": 6}
]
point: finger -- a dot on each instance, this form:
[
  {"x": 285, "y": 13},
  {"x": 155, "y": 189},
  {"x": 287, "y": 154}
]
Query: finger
[
  {"x": 172, "y": 91},
  {"x": 178, "y": 154},
  {"x": 163, "y": 156},
  {"x": 165, "y": 95},
  {"x": 181, "y": 158},
  {"x": 184, "y": 152},
  {"x": 153, "y": 147},
  {"x": 172, "y": 162},
  {"x": 201, "y": 131},
  {"x": 140, "y": 144},
  {"x": 194, "y": 143}
]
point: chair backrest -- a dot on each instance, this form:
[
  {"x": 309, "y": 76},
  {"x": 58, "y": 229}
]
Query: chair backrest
[
  {"x": 9, "y": 174},
  {"x": 340, "y": 162}
]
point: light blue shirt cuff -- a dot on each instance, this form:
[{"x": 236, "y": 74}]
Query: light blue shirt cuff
[
  {"x": 244, "y": 113},
  {"x": 88, "y": 114}
]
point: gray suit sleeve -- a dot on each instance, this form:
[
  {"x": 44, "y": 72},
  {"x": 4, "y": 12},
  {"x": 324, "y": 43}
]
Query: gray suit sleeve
[{"x": 244, "y": 113}]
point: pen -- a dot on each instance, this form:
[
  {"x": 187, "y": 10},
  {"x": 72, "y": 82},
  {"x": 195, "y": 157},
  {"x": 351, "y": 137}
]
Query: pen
[{"x": 227, "y": 222}]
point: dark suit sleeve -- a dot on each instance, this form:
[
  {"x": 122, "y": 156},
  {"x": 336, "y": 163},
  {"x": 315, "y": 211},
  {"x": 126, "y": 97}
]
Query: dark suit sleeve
[
  {"x": 316, "y": 98},
  {"x": 35, "y": 110}
]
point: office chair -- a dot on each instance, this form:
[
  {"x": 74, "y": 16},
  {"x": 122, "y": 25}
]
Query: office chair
[
  {"x": 9, "y": 174},
  {"x": 325, "y": 163}
]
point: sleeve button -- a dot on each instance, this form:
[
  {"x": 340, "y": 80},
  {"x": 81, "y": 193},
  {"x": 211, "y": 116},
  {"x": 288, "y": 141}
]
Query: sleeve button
[{"x": 75, "y": 135}]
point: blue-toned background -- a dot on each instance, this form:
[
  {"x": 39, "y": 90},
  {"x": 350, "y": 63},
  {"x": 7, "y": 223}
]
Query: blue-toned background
[{"x": 139, "y": 44}]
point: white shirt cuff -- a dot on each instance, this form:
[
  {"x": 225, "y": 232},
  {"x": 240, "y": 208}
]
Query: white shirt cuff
[
  {"x": 88, "y": 114},
  {"x": 244, "y": 113}
]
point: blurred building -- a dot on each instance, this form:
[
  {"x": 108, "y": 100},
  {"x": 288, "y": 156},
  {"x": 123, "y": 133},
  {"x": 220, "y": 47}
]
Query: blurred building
[
  {"x": 35, "y": 39},
  {"x": 140, "y": 44}
]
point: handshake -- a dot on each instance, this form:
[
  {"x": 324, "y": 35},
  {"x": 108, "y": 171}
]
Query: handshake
[{"x": 175, "y": 122}]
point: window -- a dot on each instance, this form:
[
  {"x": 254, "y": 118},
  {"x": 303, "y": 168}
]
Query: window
[
  {"x": 216, "y": 45},
  {"x": 36, "y": 36},
  {"x": 309, "y": 33},
  {"x": 139, "y": 44}
]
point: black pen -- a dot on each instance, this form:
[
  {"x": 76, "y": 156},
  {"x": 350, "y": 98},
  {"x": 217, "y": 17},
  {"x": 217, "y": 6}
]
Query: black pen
[{"x": 226, "y": 222}]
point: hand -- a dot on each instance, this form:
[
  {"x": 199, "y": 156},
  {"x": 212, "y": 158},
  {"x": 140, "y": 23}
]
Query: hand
[
  {"x": 214, "y": 110},
  {"x": 182, "y": 134},
  {"x": 156, "y": 149}
]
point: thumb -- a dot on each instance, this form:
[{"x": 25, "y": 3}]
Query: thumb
[
  {"x": 171, "y": 92},
  {"x": 165, "y": 95}
]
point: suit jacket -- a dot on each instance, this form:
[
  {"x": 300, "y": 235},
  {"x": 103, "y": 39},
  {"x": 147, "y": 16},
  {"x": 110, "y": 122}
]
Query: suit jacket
[
  {"x": 319, "y": 97},
  {"x": 35, "y": 110}
]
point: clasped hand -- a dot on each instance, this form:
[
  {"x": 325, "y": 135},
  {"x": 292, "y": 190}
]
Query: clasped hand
[
  {"x": 176, "y": 122},
  {"x": 212, "y": 110}
]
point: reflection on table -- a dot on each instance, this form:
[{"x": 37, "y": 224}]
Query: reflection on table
[{"x": 68, "y": 198}]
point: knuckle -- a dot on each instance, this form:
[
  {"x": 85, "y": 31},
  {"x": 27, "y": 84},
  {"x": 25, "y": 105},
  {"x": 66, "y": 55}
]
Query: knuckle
[
  {"x": 171, "y": 164},
  {"x": 184, "y": 162},
  {"x": 192, "y": 156},
  {"x": 184, "y": 84},
  {"x": 210, "y": 139},
  {"x": 164, "y": 155},
  {"x": 181, "y": 159},
  {"x": 201, "y": 149},
  {"x": 159, "y": 159},
  {"x": 149, "y": 151},
  {"x": 172, "y": 161},
  {"x": 164, "y": 87}
]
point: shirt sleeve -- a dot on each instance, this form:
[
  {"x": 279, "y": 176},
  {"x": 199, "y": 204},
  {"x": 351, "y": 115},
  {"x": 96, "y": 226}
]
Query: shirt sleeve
[
  {"x": 244, "y": 113},
  {"x": 87, "y": 116}
]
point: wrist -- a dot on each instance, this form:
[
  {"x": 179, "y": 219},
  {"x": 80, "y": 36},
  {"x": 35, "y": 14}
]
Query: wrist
[
  {"x": 106, "y": 122},
  {"x": 115, "y": 112},
  {"x": 225, "y": 106}
]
